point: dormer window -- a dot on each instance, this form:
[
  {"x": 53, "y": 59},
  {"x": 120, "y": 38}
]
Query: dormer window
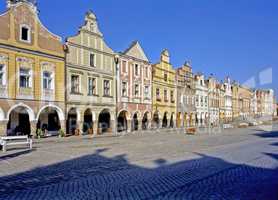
[
  {"x": 92, "y": 27},
  {"x": 25, "y": 33}
]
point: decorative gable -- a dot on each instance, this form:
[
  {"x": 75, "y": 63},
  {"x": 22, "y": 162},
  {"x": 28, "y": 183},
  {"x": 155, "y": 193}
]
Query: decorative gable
[{"x": 136, "y": 51}]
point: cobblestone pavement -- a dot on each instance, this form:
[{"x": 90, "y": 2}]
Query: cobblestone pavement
[{"x": 234, "y": 165}]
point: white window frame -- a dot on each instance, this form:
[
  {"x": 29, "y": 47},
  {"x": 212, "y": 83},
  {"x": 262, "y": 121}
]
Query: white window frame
[
  {"x": 52, "y": 80},
  {"x": 92, "y": 77},
  {"x": 109, "y": 93},
  {"x": 147, "y": 72},
  {"x": 30, "y": 84},
  {"x": 138, "y": 90},
  {"x": 135, "y": 70},
  {"x": 79, "y": 78},
  {"x": 123, "y": 65},
  {"x": 94, "y": 55},
  {"x": 29, "y": 33},
  {"x": 4, "y": 79},
  {"x": 147, "y": 95},
  {"x": 126, "y": 89}
]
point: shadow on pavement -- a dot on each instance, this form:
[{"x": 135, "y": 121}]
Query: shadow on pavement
[
  {"x": 13, "y": 155},
  {"x": 98, "y": 177},
  {"x": 263, "y": 134}
]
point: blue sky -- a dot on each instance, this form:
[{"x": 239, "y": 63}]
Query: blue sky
[{"x": 237, "y": 38}]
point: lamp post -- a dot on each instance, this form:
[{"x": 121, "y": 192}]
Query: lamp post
[{"x": 116, "y": 60}]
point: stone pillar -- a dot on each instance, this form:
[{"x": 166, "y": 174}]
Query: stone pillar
[
  {"x": 95, "y": 128},
  {"x": 159, "y": 124},
  {"x": 33, "y": 125},
  {"x": 3, "y": 127},
  {"x": 113, "y": 127},
  {"x": 129, "y": 125}
]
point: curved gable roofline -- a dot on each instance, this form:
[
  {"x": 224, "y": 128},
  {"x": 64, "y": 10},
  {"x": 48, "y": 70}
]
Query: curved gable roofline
[{"x": 36, "y": 15}]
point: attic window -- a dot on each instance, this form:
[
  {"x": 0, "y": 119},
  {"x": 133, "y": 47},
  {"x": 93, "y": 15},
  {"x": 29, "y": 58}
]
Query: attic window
[{"x": 25, "y": 35}]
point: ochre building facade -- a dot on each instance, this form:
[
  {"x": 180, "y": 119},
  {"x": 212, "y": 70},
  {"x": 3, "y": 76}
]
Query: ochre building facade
[{"x": 32, "y": 73}]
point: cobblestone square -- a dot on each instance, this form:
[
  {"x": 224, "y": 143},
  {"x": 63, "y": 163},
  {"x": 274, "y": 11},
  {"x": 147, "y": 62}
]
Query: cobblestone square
[{"x": 234, "y": 164}]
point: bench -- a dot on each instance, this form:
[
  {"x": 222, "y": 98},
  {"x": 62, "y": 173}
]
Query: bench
[{"x": 15, "y": 140}]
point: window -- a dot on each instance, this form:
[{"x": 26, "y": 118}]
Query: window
[
  {"x": 136, "y": 70},
  {"x": 106, "y": 88},
  {"x": 172, "y": 97},
  {"x": 157, "y": 94},
  {"x": 75, "y": 85},
  {"x": 25, "y": 33},
  {"x": 25, "y": 78},
  {"x": 47, "y": 80},
  {"x": 202, "y": 100},
  {"x": 124, "y": 89},
  {"x": 2, "y": 75},
  {"x": 165, "y": 95},
  {"x": 165, "y": 76},
  {"x": 92, "y": 86},
  {"x": 197, "y": 100},
  {"x": 92, "y": 60},
  {"x": 146, "y": 72},
  {"x": 136, "y": 90},
  {"x": 124, "y": 66},
  {"x": 147, "y": 91}
]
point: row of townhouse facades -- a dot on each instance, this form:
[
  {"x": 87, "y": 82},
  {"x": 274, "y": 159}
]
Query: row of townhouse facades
[{"x": 83, "y": 87}]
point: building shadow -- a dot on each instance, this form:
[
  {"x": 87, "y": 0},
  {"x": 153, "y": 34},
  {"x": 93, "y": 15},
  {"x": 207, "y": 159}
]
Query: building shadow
[
  {"x": 98, "y": 177},
  {"x": 17, "y": 154},
  {"x": 264, "y": 134}
]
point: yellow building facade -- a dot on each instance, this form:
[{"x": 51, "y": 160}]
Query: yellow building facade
[
  {"x": 32, "y": 73},
  {"x": 164, "y": 93}
]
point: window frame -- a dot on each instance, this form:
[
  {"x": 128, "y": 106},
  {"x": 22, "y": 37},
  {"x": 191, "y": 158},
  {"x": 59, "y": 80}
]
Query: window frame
[
  {"x": 138, "y": 69},
  {"x": 79, "y": 85},
  {"x": 94, "y": 59},
  {"x": 94, "y": 86},
  {"x": 29, "y": 39},
  {"x": 30, "y": 78},
  {"x": 137, "y": 86},
  {"x": 126, "y": 89},
  {"x": 4, "y": 75},
  {"x": 105, "y": 88},
  {"x": 51, "y": 78}
]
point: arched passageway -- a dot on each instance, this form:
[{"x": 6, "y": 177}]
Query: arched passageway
[
  {"x": 172, "y": 120},
  {"x": 72, "y": 122},
  {"x": 88, "y": 122},
  {"x": 165, "y": 121},
  {"x": 185, "y": 120},
  {"x": 135, "y": 122},
  {"x": 156, "y": 120},
  {"x": 122, "y": 121},
  {"x": 104, "y": 122},
  {"x": 19, "y": 122},
  {"x": 49, "y": 122},
  {"x": 145, "y": 121}
]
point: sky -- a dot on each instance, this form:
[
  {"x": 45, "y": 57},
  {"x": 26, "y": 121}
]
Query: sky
[{"x": 236, "y": 38}]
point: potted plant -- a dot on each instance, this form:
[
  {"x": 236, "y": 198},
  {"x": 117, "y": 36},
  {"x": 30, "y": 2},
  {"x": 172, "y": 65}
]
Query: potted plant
[
  {"x": 61, "y": 133},
  {"x": 39, "y": 133}
]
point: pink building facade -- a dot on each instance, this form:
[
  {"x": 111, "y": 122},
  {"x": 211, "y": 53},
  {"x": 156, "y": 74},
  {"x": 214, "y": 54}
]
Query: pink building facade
[{"x": 134, "y": 82}]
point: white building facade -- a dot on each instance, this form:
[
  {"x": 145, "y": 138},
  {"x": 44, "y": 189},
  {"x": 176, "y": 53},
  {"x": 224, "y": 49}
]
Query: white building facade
[
  {"x": 228, "y": 100},
  {"x": 201, "y": 99}
]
